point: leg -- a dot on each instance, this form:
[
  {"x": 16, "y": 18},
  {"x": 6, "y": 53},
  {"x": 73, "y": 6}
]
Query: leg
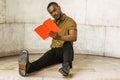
[
  {"x": 67, "y": 58},
  {"x": 68, "y": 53},
  {"x": 49, "y": 58}
]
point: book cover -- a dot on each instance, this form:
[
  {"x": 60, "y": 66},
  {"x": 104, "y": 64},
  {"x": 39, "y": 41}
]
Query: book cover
[{"x": 45, "y": 28}]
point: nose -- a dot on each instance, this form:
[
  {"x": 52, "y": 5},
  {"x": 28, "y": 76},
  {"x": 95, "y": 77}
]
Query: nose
[{"x": 54, "y": 13}]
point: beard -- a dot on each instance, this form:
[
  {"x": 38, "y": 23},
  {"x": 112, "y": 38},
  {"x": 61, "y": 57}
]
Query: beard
[{"x": 57, "y": 17}]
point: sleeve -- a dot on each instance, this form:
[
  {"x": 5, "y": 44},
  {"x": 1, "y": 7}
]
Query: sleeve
[{"x": 72, "y": 25}]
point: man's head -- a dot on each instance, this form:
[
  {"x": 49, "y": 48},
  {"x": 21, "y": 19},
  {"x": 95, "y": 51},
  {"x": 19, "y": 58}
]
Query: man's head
[{"x": 55, "y": 10}]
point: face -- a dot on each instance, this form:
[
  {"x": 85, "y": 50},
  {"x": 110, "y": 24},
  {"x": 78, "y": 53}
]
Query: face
[{"x": 55, "y": 11}]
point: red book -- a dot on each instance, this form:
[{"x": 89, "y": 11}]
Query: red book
[{"x": 47, "y": 26}]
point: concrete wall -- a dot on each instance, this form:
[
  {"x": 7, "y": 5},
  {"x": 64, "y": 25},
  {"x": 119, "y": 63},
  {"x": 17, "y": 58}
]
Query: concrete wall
[
  {"x": 11, "y": 33},
  {"x": 98, "y": 24}
]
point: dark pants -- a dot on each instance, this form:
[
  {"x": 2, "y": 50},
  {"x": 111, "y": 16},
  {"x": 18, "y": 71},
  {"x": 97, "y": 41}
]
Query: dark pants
[{"x": 54, "y": 56}]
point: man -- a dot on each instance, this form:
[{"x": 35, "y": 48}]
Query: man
[{"x": 61, "y": 47}]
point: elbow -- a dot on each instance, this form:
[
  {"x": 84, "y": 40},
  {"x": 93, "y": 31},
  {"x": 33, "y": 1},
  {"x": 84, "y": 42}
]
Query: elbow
[{"x": 75, "y": 39}]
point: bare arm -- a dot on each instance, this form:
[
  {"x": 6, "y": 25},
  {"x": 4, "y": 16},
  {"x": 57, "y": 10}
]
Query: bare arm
[{"x": 71, "y": 37}]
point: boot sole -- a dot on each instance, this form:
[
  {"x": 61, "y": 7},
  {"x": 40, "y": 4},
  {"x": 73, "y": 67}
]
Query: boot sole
[
  {"x": 63, "y": 72},
  {"x": 23, "y": 59}
]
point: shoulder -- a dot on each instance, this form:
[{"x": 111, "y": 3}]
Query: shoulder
[{"x": 70, "y": 20}]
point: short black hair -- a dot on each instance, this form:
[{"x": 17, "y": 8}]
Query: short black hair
[{"x": 51, "y": 3}]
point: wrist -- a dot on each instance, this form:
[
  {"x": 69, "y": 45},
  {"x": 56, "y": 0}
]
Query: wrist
[{"x": 57, "y": 37}]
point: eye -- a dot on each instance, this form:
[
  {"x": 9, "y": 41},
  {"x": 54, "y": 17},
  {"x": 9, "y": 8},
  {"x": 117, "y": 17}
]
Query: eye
[{"x": 54, "y": 10}]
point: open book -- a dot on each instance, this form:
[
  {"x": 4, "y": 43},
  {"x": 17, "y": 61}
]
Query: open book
[{"x": 45, "y": 28}]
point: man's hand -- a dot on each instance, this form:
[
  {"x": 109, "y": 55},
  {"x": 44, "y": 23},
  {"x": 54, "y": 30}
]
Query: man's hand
[
  {"x": 71, "y": 37},
  {"x": 54, "y": 35}
]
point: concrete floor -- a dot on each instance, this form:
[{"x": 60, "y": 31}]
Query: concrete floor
[{"x": 85, "y": 67}]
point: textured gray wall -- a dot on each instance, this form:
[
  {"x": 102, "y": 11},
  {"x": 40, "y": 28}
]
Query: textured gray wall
[{"x": 11, "y": 33}]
